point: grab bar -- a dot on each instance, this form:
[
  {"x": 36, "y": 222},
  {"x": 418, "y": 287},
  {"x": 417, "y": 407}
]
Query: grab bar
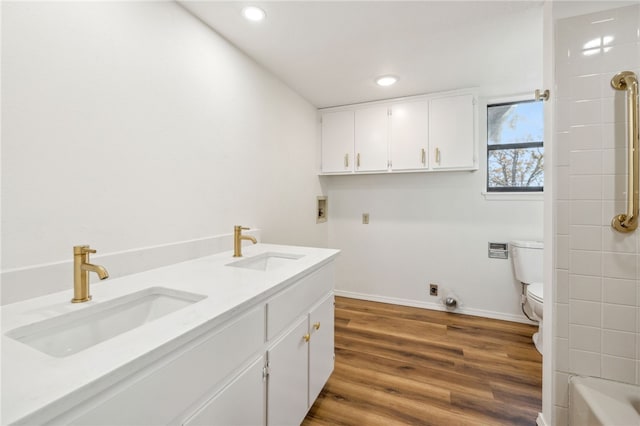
[{"x": 628, "y": 81}]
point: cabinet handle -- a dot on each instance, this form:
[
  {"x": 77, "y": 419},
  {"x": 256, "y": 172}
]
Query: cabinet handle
[
  {"x": 438, "y": 155},
  {"x": 306, "y": 337},
  {"x": 316, "y": 325},
  {"x": 424, "y": 156},
  {"x": 358, "y": 160},
  {"x": 346, "y": 160}
]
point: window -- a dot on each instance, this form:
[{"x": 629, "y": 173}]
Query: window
[{"x": 515, "y": 152}]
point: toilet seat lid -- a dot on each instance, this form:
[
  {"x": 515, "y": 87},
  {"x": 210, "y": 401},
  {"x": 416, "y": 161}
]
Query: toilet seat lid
[{"x": 534, "y": 291}]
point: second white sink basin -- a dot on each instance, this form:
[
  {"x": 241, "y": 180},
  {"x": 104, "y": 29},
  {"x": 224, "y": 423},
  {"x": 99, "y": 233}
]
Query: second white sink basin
[
  {"x": 266, "y": 261},
  {"x": 73, "y": 332}
]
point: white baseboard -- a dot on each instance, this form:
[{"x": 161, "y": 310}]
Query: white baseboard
[
  {"x": 38, "y": 280},
  {"x": 432, "y": 306}
]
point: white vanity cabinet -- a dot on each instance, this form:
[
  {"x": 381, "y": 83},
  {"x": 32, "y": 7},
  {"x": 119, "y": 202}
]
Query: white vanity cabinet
[
  {"x": 241, "y": 403},
  {"x": 264, "y": 366},
  {"x": 299, "y": 365},
  {"x": 287, "y": 383},
  {"x": 300, "y": 356},
  {"x": 171, "y": 389},
  {"x": 337, "y": 142},
  {"x": 451, "y": 132},
  {"x": 321, "y": 346}
]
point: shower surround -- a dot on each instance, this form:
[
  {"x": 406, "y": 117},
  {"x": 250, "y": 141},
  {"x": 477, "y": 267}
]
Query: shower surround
[{"x": 597, "y": 278}]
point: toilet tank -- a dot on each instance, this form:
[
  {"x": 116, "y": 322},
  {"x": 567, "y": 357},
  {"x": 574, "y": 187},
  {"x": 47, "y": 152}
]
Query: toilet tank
[{"x": 527, "y": 258}]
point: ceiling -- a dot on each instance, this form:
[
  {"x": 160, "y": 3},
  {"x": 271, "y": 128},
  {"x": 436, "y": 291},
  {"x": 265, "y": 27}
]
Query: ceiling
[{"x": 331, "y": 52}]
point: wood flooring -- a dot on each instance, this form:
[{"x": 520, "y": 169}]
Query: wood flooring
[{"x": 398, "y": 365}]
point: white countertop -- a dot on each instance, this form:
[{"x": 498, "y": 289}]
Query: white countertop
[{"x": 36, "y": 383}]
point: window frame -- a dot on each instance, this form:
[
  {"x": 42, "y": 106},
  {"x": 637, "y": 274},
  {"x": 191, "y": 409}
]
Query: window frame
[{"x": 516, "y": 192}]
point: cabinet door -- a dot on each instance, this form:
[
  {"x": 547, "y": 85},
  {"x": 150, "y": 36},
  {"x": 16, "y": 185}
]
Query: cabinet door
[
  {"x": 337, "y": 142},
  {"x": 371, "y": 139},
  {"x": 321, "y": 344},
  {"x": 451, "y": 132},
  {"x": 178, "y": 380},
  {"x": 410, "y": 136},
  {"x": 241, "y": 403},
  {"x": 288, "y": 384}
]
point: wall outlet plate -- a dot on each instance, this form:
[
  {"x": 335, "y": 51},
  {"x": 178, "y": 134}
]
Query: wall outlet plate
[{"x": 433, "y": 289}]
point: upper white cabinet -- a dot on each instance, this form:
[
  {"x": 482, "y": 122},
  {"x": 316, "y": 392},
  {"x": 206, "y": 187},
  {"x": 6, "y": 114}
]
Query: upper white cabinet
[
  {"x": 337, "y": 142},
  {"x": 424, "y": 133},
  {"x": 451, "y": 130},
  {"x": 409, "y": 136},
  {"x": 371, "y": 139}
]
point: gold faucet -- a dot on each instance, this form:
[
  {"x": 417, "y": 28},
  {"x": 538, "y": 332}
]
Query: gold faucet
[
  {"x": 81, "y": 269},
  {"x": 237, "y": 240}
]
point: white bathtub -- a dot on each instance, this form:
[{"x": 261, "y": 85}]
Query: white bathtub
[{"x": 600, "y": 402}]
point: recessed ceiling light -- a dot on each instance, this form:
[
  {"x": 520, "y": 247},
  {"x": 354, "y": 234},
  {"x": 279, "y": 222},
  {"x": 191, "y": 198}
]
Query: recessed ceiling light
[
  {"x": 253, "y": 13},
  {"x": 386, "y": 80}
]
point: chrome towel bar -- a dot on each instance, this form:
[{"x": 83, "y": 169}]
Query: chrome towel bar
[{"x": 628, "y": 81}]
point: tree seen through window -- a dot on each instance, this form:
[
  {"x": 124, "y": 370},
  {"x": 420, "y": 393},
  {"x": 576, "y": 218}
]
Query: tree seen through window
[{"x": 515, "y": 151}]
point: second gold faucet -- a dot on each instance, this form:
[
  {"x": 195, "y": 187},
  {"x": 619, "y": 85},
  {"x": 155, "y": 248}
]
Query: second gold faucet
[{"x": 237, "y": 240}]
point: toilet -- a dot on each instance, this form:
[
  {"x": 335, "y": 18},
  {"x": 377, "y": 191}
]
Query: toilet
[{"x": 528, "y": 269}]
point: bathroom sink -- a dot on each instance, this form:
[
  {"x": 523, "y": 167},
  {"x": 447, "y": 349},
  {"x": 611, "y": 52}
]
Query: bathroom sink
[
  {"x": 73, "y": 332},
  {"x": 266, "y": 261}
]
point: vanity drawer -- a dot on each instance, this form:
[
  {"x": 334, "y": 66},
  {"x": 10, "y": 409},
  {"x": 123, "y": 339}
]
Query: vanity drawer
[
  {"x": 294, "y": 301},
  {"x": 164, "y": 392}
]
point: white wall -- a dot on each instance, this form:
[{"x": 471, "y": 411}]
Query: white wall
[
  {"x": 597, "y": 309},
  {"x": 128, "y": 125},
  {"x": 435, "y": 228}
]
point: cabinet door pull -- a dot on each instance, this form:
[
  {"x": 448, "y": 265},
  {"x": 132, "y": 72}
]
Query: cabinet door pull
[
  {"x": 346, "y": 160},
  {"x": 306, "y": 337},
  {"x": 423, "y": 154},
  {"x": 438, "y": 155},
  {"x": 358, "y": 160},
  {"x": 316, "y": 325}
]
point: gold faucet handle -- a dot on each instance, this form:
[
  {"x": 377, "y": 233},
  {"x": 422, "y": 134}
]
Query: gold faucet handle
[{"x": 83, "y": 250}]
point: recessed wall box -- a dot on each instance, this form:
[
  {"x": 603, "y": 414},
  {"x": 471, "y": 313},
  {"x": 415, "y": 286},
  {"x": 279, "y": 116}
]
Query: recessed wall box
[
  {"x": 498, "y": 250},
  {"x": 321, "y": 211}
]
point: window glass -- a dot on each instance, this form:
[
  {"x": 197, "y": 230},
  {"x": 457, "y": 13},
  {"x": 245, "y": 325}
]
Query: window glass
[{"x": 515, "y": 151}]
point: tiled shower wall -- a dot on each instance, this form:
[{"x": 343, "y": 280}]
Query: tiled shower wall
[{"x": 597, "y": 299}]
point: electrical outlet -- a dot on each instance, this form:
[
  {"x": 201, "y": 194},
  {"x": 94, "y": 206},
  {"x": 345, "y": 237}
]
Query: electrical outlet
[
  {"x": 365, "y": 218},
  {"x": 433, "y": 289}
]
